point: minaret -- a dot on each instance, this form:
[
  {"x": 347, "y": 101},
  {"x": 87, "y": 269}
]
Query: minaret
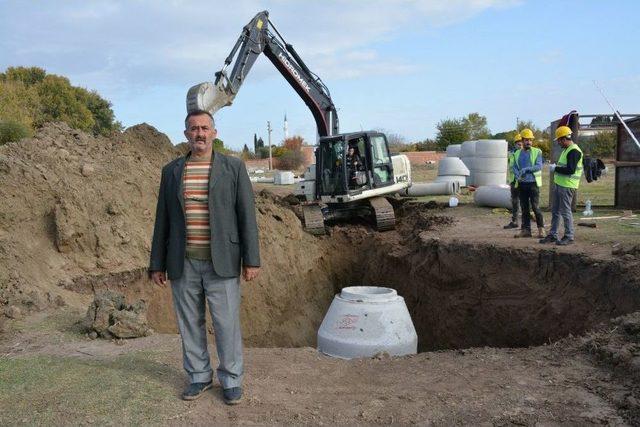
[{"x": 286, "y": 127}]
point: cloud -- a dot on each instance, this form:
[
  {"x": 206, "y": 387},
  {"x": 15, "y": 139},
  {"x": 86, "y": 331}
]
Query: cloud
[{"x": 147, "y": 43}]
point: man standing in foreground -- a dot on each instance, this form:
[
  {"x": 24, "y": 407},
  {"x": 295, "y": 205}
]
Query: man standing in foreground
[
  {"x": 566, "y": 178},
  {"x": 511, "y": 177},
  {"x": 527, "y": 168},
  {"x": 206, "y": 233}
]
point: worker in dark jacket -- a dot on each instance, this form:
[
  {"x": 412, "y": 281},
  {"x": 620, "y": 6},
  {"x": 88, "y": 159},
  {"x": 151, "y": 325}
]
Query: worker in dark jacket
[
  {"x": 205, "y": 235},
  {"x": 566, "y": 178},
  {"x": 511, "y": 178}
]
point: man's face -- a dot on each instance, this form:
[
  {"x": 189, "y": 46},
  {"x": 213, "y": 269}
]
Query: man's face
[
  {"x": 518, "y": 145},
  {"x": 527, "y": 143},
  {"x": 351, "y": 151},
  {"x": 564, "y": 142},
  {"x": 200, "y": 134}
]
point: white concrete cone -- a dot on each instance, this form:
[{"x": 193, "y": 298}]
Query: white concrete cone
[{"x": 363, "y": 321}]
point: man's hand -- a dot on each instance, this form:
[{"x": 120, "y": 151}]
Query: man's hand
[
  {"x": 552, "y": 167},
  {"x": 159, "y": 278},
  {"x": 250, "y": 273}
]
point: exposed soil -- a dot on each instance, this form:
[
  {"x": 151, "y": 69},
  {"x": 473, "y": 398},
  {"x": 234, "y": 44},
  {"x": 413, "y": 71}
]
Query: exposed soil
[{"x": 527, "y": 328}]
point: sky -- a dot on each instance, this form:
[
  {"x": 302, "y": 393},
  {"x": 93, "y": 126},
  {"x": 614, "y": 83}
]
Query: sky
[{"x": 397, "y": 65}]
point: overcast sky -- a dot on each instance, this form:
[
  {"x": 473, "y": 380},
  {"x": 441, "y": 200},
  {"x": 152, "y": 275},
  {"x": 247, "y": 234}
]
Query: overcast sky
[{"x": 400, "y": 65}]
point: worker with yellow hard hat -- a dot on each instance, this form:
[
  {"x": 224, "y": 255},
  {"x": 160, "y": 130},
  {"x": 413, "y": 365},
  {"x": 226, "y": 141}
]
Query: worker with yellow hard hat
[
  {"x": 527, "y": 168},
  {"x": 567, "y": 174},
  {"x": 511, "y": 180}
]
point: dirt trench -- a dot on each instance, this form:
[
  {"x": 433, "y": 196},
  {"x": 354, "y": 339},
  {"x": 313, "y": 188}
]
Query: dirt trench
[{"x": 459, "y": 295}]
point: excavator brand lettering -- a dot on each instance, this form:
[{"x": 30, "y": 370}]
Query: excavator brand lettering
[{"x": 295, "y": 72}]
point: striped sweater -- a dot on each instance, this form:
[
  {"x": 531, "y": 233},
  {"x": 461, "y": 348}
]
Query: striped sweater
[{"x": 196, "y": 205}]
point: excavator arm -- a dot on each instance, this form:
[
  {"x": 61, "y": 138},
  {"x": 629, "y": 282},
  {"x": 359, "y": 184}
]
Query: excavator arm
[{"x": 256, "y": 38}]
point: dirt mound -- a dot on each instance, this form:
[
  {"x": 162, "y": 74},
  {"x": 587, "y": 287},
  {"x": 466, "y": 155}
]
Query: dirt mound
[{"x": 75, "y": 204}]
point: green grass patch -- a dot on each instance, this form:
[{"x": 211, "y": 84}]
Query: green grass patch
[{"x": 128, "y": 389}]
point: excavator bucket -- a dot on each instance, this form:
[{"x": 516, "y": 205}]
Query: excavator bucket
[{"x": 209, "y": 97}]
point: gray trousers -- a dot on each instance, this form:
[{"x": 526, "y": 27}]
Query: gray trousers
[
  {"x": 199, "y": 283},
  {"x": 561, "y": 207}
]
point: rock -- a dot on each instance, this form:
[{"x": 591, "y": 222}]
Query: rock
[
  {"x": 92, "y": 335},
  {"x": 87, "y": 169},
  {"x": 128, "y": 324},
  {"x": 109, "y": 317},
  {"x": 99, "y": 312},
  {"x": 12, "y": 312},
  {"x": 63, "y": 154},
  {"x": 59, "y": 301}
]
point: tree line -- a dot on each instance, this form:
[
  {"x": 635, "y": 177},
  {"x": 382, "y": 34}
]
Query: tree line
[{"x": 29, "y": 98}]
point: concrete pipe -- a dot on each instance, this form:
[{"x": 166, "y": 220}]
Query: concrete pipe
[
  {"x": 363, "y": 321},
  {"x": 262, "y": 179},
  {"x": 492, "y": 148},
  {"x": 454, "y": 150},
  {"x": 470, "y": 164},
  {"x": 452, "y": 166},
  {"x": 460, "y": 180},
  {"x": 490, "y": 164},
  {"x": 468, "y": 149},
  {"x": 431, "y": 189},
  {"x": 284, "y": 178},
  {"x": 495, "y": 196},
  {"x": 489, "y": 178}
]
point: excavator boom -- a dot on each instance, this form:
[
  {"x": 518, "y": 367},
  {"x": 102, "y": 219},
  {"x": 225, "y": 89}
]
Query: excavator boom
[{"x": 255, "y": 39}]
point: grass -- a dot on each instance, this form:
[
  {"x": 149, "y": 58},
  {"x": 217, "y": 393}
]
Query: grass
[{"x": 54, "y": 390}]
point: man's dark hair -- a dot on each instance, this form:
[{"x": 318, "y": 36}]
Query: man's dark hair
[{"x": 199, "y": 113}]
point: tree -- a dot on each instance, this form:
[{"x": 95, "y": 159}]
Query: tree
[
  {"x": 293, "y": 143},
  {"x": 602, "y": 144},
  {"x": 289, "y": 155},
  {"x": 426, "y": 145},
  {"x": 458, "y": 130},
  {"x": 11, "y": 131},
  {"x": 30, "y": 96},
  {"x": 451, "y": 131},
  {"x": 476, "y": 126},
  {"x": 601, "y": 121},
  {"x": 246, "y": 154},
  {"x": 218, "y": 146},
  {"x": 26, "y": 75}
]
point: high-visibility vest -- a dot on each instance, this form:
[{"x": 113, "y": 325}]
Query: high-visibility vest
[
  {"x": 568, "y": 181},
  {"x": 511, "y": 160},
  {"x": 535, "y": 152}
]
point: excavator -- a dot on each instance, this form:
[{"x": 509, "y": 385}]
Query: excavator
[{"x": 342, "y": 188}]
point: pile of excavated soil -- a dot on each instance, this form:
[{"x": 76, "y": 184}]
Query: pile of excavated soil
[{"x": 75, "y": 205}]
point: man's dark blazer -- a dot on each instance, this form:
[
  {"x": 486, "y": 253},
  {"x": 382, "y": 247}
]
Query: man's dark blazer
[{"x": 234, "y": 232}]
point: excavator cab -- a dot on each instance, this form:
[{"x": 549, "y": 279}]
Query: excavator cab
[{"x": 347, "y": 165}]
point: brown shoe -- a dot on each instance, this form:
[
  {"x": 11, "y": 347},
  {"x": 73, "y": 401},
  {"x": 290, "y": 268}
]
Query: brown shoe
[
  {"x": 541, "y": 233},
  {"x": 523, "y": 233}
]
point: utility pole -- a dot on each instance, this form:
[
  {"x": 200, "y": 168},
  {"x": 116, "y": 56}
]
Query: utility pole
[
  {"x": 517, "y": 123},
  {"x": 269, "y": 132}
]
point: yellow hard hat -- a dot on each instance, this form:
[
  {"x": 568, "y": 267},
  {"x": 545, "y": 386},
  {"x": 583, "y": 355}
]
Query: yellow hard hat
[
  {"x": 517, "y": 137},
  {"x": 562, "y": 131},
  {"x": 527, "y": 134}
]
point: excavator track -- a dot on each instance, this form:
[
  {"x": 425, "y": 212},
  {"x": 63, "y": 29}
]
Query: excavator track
[
  {"x": 383, "y": 213},
  {"x": 313, "y": 219}
]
